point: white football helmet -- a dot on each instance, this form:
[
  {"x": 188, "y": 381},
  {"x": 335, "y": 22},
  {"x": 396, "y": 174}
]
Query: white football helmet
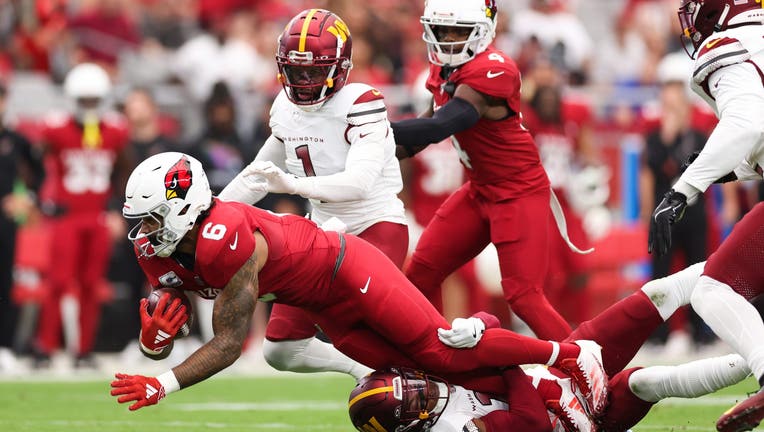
[
  {"x": 171, "y": 188},
  {"x": 477, "y": 15},
  {"x": 87, "y": 85}
]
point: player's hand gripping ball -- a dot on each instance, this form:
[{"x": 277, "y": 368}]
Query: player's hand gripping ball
[{"x": 154, "y": 298}]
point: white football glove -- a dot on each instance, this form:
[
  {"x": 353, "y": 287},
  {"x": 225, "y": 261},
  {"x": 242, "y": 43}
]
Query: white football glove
[
  {"x": 464, "y": 333},
  {"x": 277, "y": 181}
]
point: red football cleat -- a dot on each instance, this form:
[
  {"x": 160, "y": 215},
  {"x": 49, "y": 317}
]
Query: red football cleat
[{"x": 744, "y": 416}]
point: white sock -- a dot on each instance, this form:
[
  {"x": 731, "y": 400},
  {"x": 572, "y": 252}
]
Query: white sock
[
  {"x": 673, "y": 291},
  {"x": 688, "y": 380},
  {"x": 311, "y": 355},
  {"x": 733, "y": 319}
]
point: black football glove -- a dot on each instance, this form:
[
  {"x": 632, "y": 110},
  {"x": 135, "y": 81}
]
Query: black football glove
[{"x": 668, "y": 212}]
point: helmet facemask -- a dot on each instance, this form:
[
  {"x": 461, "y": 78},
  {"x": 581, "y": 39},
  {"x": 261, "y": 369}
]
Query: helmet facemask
[
  {"x": 309, "y": 82},
  {"x": 423, "y": 399},
  {"x": 690, "y": 37},
  {"x": 161, "y": 241}
]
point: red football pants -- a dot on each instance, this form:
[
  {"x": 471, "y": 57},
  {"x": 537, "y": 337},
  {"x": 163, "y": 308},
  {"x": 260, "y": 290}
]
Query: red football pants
[
  {"x": 464, "y": 225},
  {"x": 81, "y": 248},
  {"x": 373, "y": 314}
]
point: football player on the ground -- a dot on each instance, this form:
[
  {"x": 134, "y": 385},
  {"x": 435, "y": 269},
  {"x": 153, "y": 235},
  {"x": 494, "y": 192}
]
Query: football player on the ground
[
  {"x": 394, "y": 398},
  {"x": 331, "y": 143},
  {"x": 506, "y": 200},
  {"x": 728, "y": 43},
  {"x": 238, "y": 254}
]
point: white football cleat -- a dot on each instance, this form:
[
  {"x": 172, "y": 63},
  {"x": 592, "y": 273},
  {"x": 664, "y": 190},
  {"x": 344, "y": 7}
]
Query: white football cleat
[{"x": 589, "y": 376}]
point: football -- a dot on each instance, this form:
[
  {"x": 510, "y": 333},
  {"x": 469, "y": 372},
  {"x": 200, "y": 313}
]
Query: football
[{"x": 156, "y": 294}]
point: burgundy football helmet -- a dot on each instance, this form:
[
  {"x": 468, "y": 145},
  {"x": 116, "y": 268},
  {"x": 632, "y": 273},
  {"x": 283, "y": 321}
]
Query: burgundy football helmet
[
  {"x": 314, "y": 57},
  {"x": 398, "y": 400},
  {"x": 700, "y": 18}
]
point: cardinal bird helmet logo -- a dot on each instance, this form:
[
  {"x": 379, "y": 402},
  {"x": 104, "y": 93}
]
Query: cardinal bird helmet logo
[{"x": 178, "y": 179}]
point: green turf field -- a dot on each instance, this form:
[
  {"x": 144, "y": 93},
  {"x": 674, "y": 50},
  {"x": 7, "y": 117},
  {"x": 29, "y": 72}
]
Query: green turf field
[{"x": 290, "y": 403}]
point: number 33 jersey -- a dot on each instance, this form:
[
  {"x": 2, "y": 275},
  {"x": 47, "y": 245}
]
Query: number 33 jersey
[
  {"x": 349, "y": 131},
  {"x": 80, "y": 160}
]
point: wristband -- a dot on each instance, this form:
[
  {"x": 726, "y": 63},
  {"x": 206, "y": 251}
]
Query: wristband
[{"x": 169, "y": 382}]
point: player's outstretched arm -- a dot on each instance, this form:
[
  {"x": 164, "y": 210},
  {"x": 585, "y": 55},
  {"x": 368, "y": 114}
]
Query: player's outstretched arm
[
  {"x": 413, "y": 135},
  {"x": 230, "y": 320}
]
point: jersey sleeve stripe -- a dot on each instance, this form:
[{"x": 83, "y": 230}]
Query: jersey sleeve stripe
[
  {"x": 367, "y": 112},
  {"x": 715, "y": 62}
]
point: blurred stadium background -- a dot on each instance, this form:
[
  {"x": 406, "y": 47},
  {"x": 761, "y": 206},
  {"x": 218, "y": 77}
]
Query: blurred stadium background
[{"x": 199, "y": 75}]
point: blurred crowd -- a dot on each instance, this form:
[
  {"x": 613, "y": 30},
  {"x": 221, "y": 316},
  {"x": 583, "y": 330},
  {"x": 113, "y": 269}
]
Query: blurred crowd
[{"x": 606, "y": 95}]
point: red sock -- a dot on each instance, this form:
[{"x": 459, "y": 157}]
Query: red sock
[
  {"x": 621, "y": 330},
  {"x": 500, "y": 347}
]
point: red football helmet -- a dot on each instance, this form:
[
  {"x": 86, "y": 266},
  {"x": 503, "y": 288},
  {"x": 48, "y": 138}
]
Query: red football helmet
[
  {"x": 314, "y": 57},
  {"x": 700, "y": 18},
  {"x": 400, "y": 400}
]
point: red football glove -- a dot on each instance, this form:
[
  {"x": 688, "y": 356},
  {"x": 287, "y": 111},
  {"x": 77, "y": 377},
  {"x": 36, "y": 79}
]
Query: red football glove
[
  {"x": 159, "y": 329},
  {"x": 143, "y": 390}
]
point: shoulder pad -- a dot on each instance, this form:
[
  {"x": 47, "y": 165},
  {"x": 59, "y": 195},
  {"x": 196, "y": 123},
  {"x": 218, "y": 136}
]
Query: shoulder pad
[
  {"x": 717, "y": 53},
  {"x": 369, "y": 107}
]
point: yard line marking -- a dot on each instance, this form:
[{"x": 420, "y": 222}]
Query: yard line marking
[{"x": 265, "y": 406}]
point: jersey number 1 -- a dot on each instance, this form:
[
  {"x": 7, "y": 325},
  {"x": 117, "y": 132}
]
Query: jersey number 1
[{"x": 304, "y": 155}]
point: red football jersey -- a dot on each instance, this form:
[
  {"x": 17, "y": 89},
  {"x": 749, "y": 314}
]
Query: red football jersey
[
  {"x": 558, "y": 141},
  {"x": 435, "y": 174},
  {"x": 79, "y": 164},
  {"x": 500, "y": 155},
  {"x": 225, "y": 242}
]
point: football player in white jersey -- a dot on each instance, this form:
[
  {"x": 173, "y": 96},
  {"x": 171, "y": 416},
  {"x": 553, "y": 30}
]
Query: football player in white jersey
[
  {"x": 727, "y": 39},
  {"x": 402, "y": 399},
  {"x": 331, "y": 142}
]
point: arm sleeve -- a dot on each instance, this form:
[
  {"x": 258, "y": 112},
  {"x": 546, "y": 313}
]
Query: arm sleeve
[
  {"x": 238, "y": 189},
  {"x": 740, "y": 102},
  {"x": 455, "y": 116},
  {"x": 365, "y": 161}
]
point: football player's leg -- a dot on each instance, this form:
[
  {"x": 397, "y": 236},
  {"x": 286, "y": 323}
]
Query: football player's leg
[
  {"x": 371, "y": 293},
  {"x": 390, "y": 238},
  {"x": 65, "y": 247},
  {"x": 688, "y": 380},
  {"x": 623, "y": 327},
  {"x": 93, "y": 270},
  {"x": 527, "y": 411},
  {"x": 624, "y": 408},
  {"x": 455, "y": 234},
  {"x": 520, "y": 232},
  {"x": 290, "y": 345},
  {"x": 634, "y": 391},
  {"x": 732, "y": 276}
]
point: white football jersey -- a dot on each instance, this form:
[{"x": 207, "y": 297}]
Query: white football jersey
[
  {"x": 317, "y": 143},
  {"x": 464, "y": 404},
  {"x": 728, "y": 76}
]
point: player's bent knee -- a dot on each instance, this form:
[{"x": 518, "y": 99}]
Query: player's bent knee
[
  {"x": 284, "y": 355},
  {"x": 705, "y": 293}
]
